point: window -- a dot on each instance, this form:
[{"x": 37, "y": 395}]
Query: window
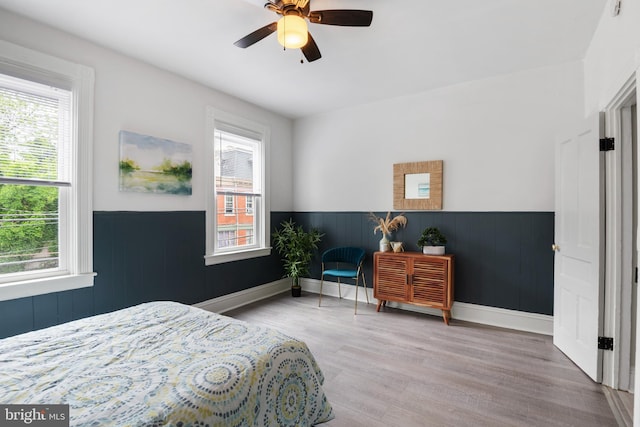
[
  {"x": 237, "y": 206},
  {"x": 226, "y": 238},
  {"x": 45, "y": 169},
  {"x": 34, "y": 175},
  {"x": 228, "y": 204},
  {"x": 249, "y": 206}
]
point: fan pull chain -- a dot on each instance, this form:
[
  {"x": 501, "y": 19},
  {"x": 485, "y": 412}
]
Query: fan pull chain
[{"x": 284, "y": 45}]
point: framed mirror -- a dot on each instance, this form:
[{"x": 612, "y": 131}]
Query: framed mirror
[{"x": 417, "y": 185}]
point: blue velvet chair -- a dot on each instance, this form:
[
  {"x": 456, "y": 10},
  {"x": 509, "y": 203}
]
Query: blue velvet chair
[{"x": 344, "y": 263}]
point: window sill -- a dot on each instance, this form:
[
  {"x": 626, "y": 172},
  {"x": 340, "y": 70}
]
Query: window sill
[
  {"x": 236, "y": 256},
  {"x": 46, "y": 285}
]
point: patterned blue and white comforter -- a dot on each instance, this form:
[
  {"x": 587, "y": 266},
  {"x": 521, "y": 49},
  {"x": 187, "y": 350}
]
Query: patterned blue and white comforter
[{"x": 165, "y": 363}]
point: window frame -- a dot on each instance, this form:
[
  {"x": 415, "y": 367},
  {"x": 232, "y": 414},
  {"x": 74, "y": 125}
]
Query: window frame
[
  {"x": 217, "y": 119},
  {"x": 35, "y": 66}
]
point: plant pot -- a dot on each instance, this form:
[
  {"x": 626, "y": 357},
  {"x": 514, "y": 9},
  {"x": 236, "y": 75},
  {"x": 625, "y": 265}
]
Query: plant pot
[
  {"x": 296, "y": 291},
  {"x": 433, "y": 250}
]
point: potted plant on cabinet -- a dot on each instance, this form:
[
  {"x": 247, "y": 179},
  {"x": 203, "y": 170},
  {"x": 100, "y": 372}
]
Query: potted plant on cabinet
[
  {"x": 432, "y": 241},
  {"x": 296, "y": 246}
]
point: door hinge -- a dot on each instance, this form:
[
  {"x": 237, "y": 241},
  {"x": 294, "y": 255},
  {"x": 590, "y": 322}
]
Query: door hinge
[
  {"x": 636, "y": 275},
  {"x": 605, "y": 343},
  {"x": 606, "y": 144}
]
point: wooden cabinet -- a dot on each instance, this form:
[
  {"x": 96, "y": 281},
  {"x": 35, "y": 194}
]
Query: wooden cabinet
[{"x": 414, "y": 278}]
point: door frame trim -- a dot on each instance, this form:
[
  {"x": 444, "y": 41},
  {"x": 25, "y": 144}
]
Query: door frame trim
[{"x": 616, "y": 369}]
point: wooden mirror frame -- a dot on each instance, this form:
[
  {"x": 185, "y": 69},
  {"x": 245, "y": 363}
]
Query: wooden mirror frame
[{"x": 434, "y": 201}]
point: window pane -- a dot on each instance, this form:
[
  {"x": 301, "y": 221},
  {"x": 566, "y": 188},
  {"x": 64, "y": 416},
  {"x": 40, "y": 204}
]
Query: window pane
[
  {"x": 237, "y": 181},
  {"x": 35, "y": 144},
  {"x": 237, "y": 163},
  {"x": 34, "y": 126},
  {"x": 28, "y": 228}
]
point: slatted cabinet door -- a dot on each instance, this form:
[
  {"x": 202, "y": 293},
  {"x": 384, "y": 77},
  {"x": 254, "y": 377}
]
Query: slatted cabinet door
[
  {"x": 429, "y": 281},
  {"x": 391, "y": 279},
  {"x": 414, "y": 278}
]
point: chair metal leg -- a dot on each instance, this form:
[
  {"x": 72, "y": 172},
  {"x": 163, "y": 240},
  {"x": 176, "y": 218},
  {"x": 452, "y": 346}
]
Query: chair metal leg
[
  {"x": 321, "y": 282},
  {"x": 339, "y": 289},
  {"x": 356, "y": 309},
  {"x": 365, "y": 288}
]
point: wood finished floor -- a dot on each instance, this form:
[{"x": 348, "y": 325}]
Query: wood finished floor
[{"x": 398, "y": 368}]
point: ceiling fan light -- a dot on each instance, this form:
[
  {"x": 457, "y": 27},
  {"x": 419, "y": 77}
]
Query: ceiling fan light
[{"x": 292, "y": 31}]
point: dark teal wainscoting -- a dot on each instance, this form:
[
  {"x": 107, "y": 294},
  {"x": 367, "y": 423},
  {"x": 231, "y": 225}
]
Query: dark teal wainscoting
[
  {"x": 140, "y": 257},
  {"x": 503, "y": 259}
]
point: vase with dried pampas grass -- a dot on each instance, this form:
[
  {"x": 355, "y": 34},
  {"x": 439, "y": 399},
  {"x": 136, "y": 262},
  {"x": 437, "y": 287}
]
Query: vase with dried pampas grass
[{"x": 387, "y": 226}]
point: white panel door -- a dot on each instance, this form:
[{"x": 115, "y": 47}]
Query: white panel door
[{"x": 577, "y": 310}]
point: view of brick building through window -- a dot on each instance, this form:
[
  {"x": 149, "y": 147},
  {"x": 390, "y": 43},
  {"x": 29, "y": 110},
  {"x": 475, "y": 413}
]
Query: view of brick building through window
[{"x": 235, "y": 198}]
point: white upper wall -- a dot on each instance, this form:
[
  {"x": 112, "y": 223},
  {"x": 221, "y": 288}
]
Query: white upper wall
[
  {"x": 496, "y": 137},
  {"x": 131, "y": 95},
  {"x": 613, "y": 55}
]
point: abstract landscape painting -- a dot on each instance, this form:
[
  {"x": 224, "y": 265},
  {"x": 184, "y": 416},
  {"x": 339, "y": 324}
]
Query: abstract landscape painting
[{"x": 154, "y": 165}]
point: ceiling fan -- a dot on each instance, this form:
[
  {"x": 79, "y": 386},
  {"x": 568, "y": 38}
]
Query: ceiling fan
[{"x": 292, "y": 27}]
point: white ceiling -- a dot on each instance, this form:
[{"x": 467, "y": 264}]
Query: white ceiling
[{"x": 411, "y": 46}]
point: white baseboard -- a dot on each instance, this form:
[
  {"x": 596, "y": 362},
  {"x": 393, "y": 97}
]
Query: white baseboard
[
  {"x": 247, "y": 296},
  {"x": 510, "y": 319},
  {"x": 331, "y": 289}
]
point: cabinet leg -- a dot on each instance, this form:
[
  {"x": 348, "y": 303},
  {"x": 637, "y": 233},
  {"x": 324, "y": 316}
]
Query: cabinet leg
[
  {"x": 380, "y": 302},
  {"x": 446, "y": 315}
]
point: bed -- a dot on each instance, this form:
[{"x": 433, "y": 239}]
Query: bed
[{"x": 165, "y": 363}]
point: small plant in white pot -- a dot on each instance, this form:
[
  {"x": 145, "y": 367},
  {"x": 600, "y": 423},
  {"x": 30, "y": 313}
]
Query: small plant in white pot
[{"x": 432, "y": 241}]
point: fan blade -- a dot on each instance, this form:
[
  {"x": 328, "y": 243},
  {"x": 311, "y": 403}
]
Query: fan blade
[
  {"x": 344, "y": 17},
  {"x": 257, "y": 35},
  {"x": 310, "y": 50}
]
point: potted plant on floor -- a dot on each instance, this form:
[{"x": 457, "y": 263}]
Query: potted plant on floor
[
  {"x": 296, "y": 246},
  {"x": 432, "y": 241}
]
